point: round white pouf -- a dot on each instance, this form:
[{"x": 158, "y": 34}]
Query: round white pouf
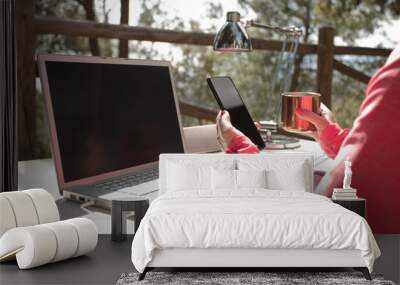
[
  {"x": 32, "y": 246},
  {"x": 26, "y": 208},
  {"x": 67, "y": 240},
  {"x": 7, "y": 218},
  {"x": 23, "y": 208},
  {"x": 37, "y": 245},
  {"x": 87, "y": 234},
  {"x": 45, "y": 205}
]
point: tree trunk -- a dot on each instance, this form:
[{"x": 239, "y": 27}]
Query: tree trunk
[
  {"x": 124, "y": 44},
  {"x": 299, "y": 58},
  {"x": 88, "y": 5}
]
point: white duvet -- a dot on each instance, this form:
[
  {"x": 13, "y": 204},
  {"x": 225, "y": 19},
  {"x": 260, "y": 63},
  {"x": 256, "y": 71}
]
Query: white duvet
[{"x": 250, "y": 219}]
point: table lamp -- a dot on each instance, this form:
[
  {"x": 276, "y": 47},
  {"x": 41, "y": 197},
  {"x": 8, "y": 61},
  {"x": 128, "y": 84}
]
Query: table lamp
[{"x": 232, "y": 37}]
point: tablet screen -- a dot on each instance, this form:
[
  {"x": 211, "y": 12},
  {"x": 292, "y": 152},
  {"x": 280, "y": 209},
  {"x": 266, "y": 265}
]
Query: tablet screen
[{"x": 228, "y": 98}]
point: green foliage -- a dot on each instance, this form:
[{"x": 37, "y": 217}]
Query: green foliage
[
  {"x": 351, "y": 19},
  {"x": 347, "y": 94},
  {"x": 72, "y": 9},
  {"x": 214, "y": 10},
  {"x": 151, "y": 10},
  {"x": 252, "y": 72}
]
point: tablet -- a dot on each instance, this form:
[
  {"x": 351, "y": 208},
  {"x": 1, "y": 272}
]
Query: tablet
[{"x": 229, "y": 99}]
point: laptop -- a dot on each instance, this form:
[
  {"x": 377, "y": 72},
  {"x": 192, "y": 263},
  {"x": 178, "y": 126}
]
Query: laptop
[{"x": 109, "y": 121}]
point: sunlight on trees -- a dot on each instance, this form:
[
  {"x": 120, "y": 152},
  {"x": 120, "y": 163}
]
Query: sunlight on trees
[{"x": 251, "y": 72}]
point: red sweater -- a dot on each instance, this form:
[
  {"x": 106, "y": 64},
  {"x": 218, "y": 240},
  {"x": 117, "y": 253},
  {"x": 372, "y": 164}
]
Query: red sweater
[
  {"x": 373, "y": 145},
  {"x": 242, "y": 144}
]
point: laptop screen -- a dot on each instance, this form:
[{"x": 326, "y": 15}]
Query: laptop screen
[{"x": 110, "y": 117}]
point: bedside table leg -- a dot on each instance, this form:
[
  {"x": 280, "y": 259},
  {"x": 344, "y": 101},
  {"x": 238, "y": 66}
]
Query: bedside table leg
[
  {"x": 364, "y": 271},
  {"x": 117, "y": 226}
]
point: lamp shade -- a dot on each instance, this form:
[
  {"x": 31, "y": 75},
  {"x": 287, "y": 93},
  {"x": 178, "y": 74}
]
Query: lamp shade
[{"x": 232, "y": 37}]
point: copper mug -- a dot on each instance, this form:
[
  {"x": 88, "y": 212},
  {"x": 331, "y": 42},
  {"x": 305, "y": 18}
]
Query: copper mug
[{"x": 290, "y": 102}]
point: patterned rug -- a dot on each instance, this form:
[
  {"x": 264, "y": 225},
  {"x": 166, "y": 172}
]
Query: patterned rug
[{"x": 243, "y": 278}]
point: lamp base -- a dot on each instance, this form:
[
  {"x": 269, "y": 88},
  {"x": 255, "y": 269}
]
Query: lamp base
[
  {"x": 281, "y": 142},
  {"x": 273, "y": 140}
]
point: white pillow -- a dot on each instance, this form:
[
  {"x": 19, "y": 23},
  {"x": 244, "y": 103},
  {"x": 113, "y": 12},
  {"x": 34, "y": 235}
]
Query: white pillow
[
  {"x": 223, "y": 179},
  {"x": 226, "y": 179},
  {"x": 251, "y": 178},
  {"x": 282, "y": 174},
  {"x": 186, "y": 178},
  {"x": 193, "y": 174},
  {"x": 292, "y": 179}
]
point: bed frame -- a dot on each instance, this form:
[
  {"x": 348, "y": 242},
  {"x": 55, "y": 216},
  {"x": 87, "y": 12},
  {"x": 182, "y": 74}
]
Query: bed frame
[
  {"x": 232, "y": 259},
  {"x": 250, "y": 259}
]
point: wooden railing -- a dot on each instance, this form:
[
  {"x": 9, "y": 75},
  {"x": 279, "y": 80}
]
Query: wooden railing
[
  {"x": 196, "y": 111},
  {"x": 47, "y": 25},
  {"x": 325, "y": 51}
]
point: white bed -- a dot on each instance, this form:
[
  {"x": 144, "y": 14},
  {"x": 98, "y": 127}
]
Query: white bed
[{"x": 202, "y": 225}]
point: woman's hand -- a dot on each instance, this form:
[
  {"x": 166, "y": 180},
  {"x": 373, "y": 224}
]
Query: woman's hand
[
  {"x": 225, "y": 131},
  {"x": 319, "y": 121}
]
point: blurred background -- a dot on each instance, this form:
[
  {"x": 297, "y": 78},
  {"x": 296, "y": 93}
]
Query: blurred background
[{"x": 369, "y": 23}]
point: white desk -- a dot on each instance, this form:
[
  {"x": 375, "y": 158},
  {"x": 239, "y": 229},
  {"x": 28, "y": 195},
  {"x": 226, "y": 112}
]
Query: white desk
[{"x": 41, "y": 174}]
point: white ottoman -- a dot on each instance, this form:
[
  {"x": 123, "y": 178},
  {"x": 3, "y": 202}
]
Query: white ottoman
[{"x": 31, "y": 232}]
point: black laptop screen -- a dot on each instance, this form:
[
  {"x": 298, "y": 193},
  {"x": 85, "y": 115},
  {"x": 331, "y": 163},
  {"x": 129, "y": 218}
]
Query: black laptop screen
[{"x": 110, "y": 117}]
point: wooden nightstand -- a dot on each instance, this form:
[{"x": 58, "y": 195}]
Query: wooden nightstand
[
  {"x": 120, "y": 207},
  {"x": 358, "y": 206}
]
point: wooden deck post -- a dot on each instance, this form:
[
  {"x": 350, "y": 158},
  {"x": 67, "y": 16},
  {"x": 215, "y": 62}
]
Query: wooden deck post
[
  {"x": 26, "y": 92},
  {"x": 325, "y": 63},
  {"x": 124, "y": 44}
]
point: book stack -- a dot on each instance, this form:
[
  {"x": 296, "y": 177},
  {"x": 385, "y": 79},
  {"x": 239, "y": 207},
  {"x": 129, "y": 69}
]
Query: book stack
[
  {"x": 344, "y": 194},
  {"x": 269, "y": 126}
]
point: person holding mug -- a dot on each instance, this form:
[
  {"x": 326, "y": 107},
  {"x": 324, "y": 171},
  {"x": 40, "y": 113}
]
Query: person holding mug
[{"x": 372, "y": 145}]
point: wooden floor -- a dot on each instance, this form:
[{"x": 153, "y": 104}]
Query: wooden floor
[{"x": 103, "y": 266}]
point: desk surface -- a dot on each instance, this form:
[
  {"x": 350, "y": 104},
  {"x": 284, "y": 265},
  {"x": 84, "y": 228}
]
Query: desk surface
[{"x": 41, "y": 174}]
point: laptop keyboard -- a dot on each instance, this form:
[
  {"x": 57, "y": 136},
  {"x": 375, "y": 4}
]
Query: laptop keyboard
[{"x": 129, "y": 180}]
